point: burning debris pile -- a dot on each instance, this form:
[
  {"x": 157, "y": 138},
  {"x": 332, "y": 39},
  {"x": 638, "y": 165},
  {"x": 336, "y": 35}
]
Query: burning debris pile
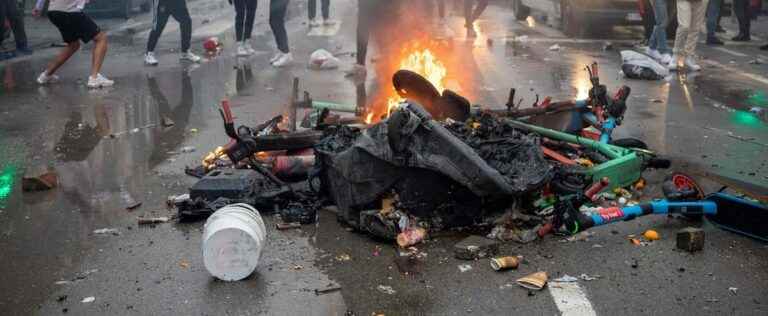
[{"x": 433, "y": 175}]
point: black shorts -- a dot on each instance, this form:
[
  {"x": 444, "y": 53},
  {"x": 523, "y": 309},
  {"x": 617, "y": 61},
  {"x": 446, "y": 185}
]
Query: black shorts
[{"x": 74, "y": 26}]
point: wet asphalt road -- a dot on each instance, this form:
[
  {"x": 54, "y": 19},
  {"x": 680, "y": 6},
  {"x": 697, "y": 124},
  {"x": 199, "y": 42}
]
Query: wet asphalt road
[{"x": 699, "y": 120}]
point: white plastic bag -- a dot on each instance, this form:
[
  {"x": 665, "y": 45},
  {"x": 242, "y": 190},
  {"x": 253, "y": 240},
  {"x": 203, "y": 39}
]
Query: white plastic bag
[
  {"x": 322, "y": 59},
  {"x": 639, "y": 66}
]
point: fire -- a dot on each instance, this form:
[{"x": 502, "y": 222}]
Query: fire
[
  {"x": 425, "y": 63},
  {"x": 369, "y": 118}
]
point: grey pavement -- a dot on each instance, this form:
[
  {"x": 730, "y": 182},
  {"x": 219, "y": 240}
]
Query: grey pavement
[{"x": 52, "y": 259}]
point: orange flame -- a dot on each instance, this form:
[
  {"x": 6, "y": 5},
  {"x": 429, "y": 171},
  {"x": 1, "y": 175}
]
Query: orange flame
[{"x": 425, "y": 63}]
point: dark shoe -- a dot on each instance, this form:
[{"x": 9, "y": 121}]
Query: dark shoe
[
  {"x": 714, "y": 41},
  {"x": 741, "y": 38},
  {"x": 764, "y": 47},
  {"x": 719, "y": 29}
]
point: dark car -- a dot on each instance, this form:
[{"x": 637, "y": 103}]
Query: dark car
[{"x": 577, "y": 17}]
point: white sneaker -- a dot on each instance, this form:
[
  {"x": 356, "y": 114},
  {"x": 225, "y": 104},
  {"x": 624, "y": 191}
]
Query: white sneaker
[
  {"x": 249, "y": 48},
  {"x": 46, "y": 79},
  {"x": 189, "y": 56},
  {"x": 276, "y": 57},
  {"x": 99, "y": 81},
  {"x": 284, "y": 60},
  {"x": 242, "y": 50},
  {"x": 673, "y": 63},
  {"x": 328, "y": 22},
  {"x": 149, "y": 59},
  {"x": 314, "y": 23},
  {"x": 665, "y": 58},
  {"x": 691, "y": 64}
]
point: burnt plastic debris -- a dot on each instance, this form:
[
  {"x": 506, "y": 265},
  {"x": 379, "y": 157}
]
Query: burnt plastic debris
[
  {"x": 223, "y": 187},
  {"x": 435, "y": 173},
  {"x": 295, "y": 212}
]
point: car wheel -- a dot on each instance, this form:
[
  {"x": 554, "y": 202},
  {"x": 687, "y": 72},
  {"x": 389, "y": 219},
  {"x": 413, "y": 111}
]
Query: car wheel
[
  {"x": 570, "y": 22},
  {"x": 521, "y": 11}
]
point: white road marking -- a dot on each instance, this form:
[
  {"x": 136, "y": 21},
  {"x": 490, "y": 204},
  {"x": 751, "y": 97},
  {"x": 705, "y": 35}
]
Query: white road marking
[
  {"x": 742, "y": 73},
  {"x": 326, "y": 30},
  {"x": 570, "y": 299},
  {"x": 728, "y": 51}
]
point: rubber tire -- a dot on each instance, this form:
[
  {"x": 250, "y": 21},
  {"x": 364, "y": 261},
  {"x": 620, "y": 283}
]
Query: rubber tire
[
  {"x": 521, "y": 11},
  {"x": 629, "y": 143},
  {"x": 560, "y": 186}
]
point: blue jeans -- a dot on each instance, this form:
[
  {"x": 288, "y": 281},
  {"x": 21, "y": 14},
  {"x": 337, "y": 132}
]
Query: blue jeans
[
  {"x": 658, "y": 40},
  {"x": 713, "y": 15}
]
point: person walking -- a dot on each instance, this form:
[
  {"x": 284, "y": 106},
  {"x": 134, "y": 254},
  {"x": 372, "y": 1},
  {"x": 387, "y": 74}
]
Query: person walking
[
  {"x": 245, "y": 13},
  {"x": 10, "y": 10},
  {"x": 75, "y": 26},
  {"x": 657, "y": 43},
  {"x": 325, "y": 8},
  {"x": 161, "y": 11},
  {"x": 713, "y": 19},
  {"x": 743, "y": 14},
  {"x": 277, "y": 12},
  {"x": 473, "y": 12},
  {"x": 690, "y": 16}
]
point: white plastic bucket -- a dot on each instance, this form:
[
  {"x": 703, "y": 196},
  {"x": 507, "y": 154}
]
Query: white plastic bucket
[{"x": 233, "y": 238}]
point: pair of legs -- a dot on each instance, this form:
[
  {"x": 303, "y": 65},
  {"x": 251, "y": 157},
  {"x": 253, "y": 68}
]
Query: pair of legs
[
  {"x": 472, "y": 12},
  {"x": 245, "y": 13},
  {"x": 162, "y": 11},
  {"x": 713, "y": 20},
  {"x": 9, "y": 10},
  {"x": 658, "y": 39},
  {"x": 744, "y": 15},
  {"x": 97, "y": 58},
  {"x": 325, "y": 8},
  {"x": 690, "y": 16},
  {"x": 277, "y": 11}
]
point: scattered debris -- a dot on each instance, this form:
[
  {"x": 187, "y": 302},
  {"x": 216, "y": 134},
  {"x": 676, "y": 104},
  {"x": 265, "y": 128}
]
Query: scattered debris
[
  {"x": 188, "y": 149},
  {"x": 328, "y": 289},
  {"x": 566, "y": 278},
  {"x": 42, "y": 182},
  {"x": 411, "y": 236},
  {"x": 132, "y": 205},
  {"x": 651, "y": 235},
  {"x": 343, "y": 257},
  {"x": 61, "y": 298},
  {"x": 554, "y": 48},
  {"x": 756, "y": 61},
  {"x": 386, "y": 289},
  {"x": 535, "y": 281},
  {"x": 690, "y": 239},
  {"x": 167, "y": 122},
  {"x": 105, "y": 231},
  {"x": 503, "y": 263},
  {"x": 465, "y": 267},
  {"x": 607, "y": 46},
  {"x": 153, "y": 220},
  {"x": 285, "y": 226},
  {"x": 733, "y": 290},
  {"x": 88, "y": 299},
  {"x": 587, "y": 277},
  {"x": 475, "y": 247},
  {"x": 322, "y": 59}
]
